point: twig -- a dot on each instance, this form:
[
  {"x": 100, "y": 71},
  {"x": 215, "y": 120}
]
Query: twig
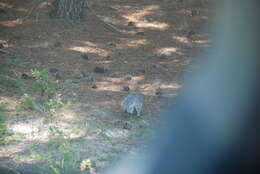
[{"x": 108, "y": 24}]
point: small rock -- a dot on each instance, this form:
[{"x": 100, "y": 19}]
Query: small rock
[
  {"x": 141, "y": 33},
  {"x": 111, "y": 44},
  {"x": 158, "y": 91},
  {"x": 88, "y": 79},
  {"x": 190, "y": 34},
  {"x": 94, "y": 86},
  {"x": 155, "y": 65},
  {"x": 194, "y": 12},
  {"x": 127, "y": 125},
  {"x": 99, "y": 69},
  {"x": 125, "y": 88},
  {"x": 57, "y": 44},
  {"x": 133, "y": 103},
  {"x": 131, "y": 24},
  {"x": 26, "y": 76},
  {"x": 159, "y": 66},
  {"x": 108, "y": 57},
  {"x": 128, "y": 77},
  {"x": 84, "y": 56},
  {"x": 2, "y": 46},
  {"x": 163, "y": 56},
  {"x": 115, "y": 74},
  {"x": 82, "y": 75},
  {"x": 143, "y": 124}
]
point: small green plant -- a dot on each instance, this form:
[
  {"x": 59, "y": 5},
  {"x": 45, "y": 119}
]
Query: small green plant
[
  {"x": 69, "y": 83},
  {"x": 42, "y": 95},
  {"x": 52, "y": 105},
  {"x": 65, "y": 160},
  {"x": 28, "y": 102},
  {"x": 87, "y": 165},
  {"x": 44, "y": 84}
]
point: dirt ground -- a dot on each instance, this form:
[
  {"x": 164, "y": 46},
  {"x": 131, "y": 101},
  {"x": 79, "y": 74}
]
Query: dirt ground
[{"x": 145, "y": 45}]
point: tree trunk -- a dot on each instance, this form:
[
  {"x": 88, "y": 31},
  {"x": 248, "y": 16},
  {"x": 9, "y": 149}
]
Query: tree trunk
[{"x": 69, "y": 9}]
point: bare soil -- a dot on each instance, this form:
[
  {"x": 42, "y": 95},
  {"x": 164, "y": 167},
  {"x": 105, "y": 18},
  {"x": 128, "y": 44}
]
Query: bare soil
[{"x": 154, "y": 41}]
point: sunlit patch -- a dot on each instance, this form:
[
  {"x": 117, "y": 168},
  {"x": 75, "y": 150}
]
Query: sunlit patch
[
  {"x": 11, "y": 102},
  {"x": 5, "y": 5},
  {"x": 104, "y": 62},
  {"x": 24, "y": 128},
  {"x": 12, "y": 23},
  {"x": 67, "y": 114},
  {"x": 112, "y": 79},
  {"x": 134, "y": 80},
  {"x": 133, "y": 43},
  {"x": 44, "y": 4},
  {"x": 108, "y": 86},
  {"x": 87, "y": 49},
  {"x": 167, "y": 51},
  {"x": 21, "y": 9},
  {"x": 149, "y": 88},
  {"x": 205, "y": 42},
  {"x": 181, "y": 39},
  {"x": 157, "y": 25},
  {"x": 138, "y": 17},
  {"x": 118, "y": 133}
]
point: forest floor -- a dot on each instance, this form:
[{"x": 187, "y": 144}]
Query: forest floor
[{"x": 122, "y": 46}]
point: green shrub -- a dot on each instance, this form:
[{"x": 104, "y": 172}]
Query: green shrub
[
  {"x": 42, "y": 95},
  {"x": 65, "y": 160}
]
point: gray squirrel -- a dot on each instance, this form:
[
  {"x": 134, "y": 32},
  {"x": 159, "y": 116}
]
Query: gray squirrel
[{"x": 133, "y": 103}]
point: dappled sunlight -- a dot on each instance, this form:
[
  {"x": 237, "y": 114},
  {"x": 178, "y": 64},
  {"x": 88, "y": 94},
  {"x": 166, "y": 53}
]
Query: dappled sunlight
[
  {"x": 30, "y": 130},
  {"x": 134, "y": 79},
  {"x": 24, "y": 128},
  {"x": 89, "y": 47},
  {"x": 115, "y": 84},
  {"x": 5, "y": 5},
  {"x": 139, "y": 20},
  {"x": 12, "y": 102},
  {"x": 108, "y": 86},
  {"x": 149, "y": 88},
  {"x": 155, "y": 25},
  {"x": 167, "y": 51},
  {"x": 118, "y": 133},
  {"x": 12, "y": 23},
  {"x": 181, "y": 39},
  {"x": 44, "y": 4},
  {"x": 104, "y": 62},
  {"x": 132, "y": 43},
  {"x": 206, "y": 43}
]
